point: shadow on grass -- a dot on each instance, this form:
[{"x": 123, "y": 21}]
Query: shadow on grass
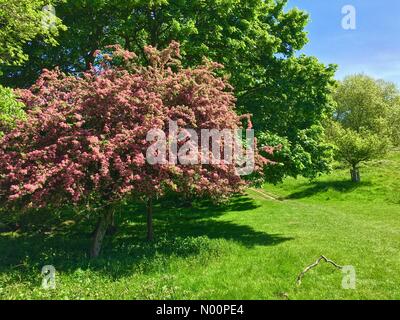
[
  {"x": 323, "y": 186},
  {"x": 180, "y": 232}
]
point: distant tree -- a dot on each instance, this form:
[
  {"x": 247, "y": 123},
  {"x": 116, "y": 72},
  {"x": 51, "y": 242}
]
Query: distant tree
[
  {"x": 256, "y": 41},
  {"x": 84, "y": 141},
  {"x": 21, "y": 21},
  {"x": 354, "y": 147},
  {"x": 363, "y": 103}
]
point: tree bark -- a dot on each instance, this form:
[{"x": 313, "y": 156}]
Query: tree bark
[
  {"x": 112, "y": 228},
  {"x": 149, "y": 209},
  {"x": 355, "y": 174},
  {"x": 104, "y": 222}
]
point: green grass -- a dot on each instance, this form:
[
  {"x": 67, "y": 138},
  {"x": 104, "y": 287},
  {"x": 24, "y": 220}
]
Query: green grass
[{"x": 253, "y": 248}]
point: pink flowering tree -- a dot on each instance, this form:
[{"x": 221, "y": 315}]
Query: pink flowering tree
[{"x": 86, "y": 138}]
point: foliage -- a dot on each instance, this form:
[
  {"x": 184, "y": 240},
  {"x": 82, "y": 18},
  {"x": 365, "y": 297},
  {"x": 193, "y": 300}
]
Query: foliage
[
  {"x": 394, "y": 121},
  {"x": 85, "y": 138},
  {"x": 292, "y": 107},
  {"x": 308, "y": 154},
  {"x": 355, "y": 147},
  {"x": 22, "y": 21},
  {"x": 255, "y": 40},
  {"x": 364, "y": 103},
  {"x": 11, "y": 110}
]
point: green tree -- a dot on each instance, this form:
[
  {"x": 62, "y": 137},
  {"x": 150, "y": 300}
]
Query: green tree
[
  {"x": 364, "y": 103},
  {"x": 256, "y": 40},
  {"x": 354, "y": 147},
  {"x": 21, "y": 21}
]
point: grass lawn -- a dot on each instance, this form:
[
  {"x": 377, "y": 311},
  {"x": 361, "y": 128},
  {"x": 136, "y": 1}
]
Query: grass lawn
[{"x": 253, "y": 248}]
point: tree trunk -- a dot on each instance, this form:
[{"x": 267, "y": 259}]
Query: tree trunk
[
  {"x": 149, "y": 209},
  {"x": 104, "y": 222},
  {"x": 112, "y": 228},
  {"x": 355, "y": 174}
]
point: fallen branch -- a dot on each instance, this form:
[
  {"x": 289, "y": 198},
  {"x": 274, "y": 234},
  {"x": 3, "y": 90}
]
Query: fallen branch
[{"x": 300, "y": 276}]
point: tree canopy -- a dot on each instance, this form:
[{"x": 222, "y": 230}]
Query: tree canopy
[
  {"x": 255, "y": 40},
  {"x": 364, "y": 103},
  {"x": 22, "y": 21},
  {"x": 354, "y": 147}
]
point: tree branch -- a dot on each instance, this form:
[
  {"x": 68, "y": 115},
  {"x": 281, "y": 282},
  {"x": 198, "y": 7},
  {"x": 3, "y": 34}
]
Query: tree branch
[{"x": 300, "y": 276}]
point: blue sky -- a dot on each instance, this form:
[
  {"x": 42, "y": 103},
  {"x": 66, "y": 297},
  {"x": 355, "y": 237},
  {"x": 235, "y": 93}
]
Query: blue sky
[{"x": 373, "y": 48}]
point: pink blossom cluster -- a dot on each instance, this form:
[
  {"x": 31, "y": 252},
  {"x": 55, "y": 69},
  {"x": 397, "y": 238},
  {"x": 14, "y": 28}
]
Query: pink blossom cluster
[{"x": 86, "y": 135}]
